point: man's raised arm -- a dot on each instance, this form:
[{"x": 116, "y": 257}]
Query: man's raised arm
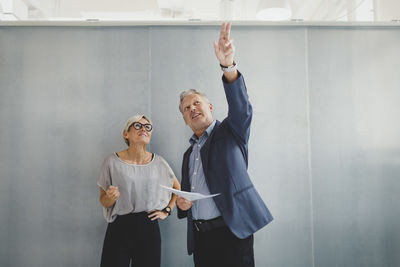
[{"x": 240, "y": 111}]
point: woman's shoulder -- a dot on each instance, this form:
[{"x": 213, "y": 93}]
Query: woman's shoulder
[
  {"x": 160, "y": 160},
  {"x": 110, "y": 158}
]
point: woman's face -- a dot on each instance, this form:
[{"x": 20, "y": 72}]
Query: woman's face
[{"x": 139, "y": 133}]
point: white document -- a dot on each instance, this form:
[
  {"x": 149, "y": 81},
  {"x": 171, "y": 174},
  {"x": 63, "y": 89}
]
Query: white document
[{"x": 188, "y": 195}]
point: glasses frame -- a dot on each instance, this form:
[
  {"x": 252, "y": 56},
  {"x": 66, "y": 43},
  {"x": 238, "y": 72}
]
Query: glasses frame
[{"x": 137, "y": 126}]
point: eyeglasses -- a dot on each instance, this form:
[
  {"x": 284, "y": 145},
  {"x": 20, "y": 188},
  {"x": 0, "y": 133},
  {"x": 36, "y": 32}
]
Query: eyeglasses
[{"x": 137, "y": 125}]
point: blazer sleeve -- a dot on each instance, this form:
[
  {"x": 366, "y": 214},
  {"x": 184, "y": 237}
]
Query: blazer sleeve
[
  {"x": 240, "y": 110},
  {"x": 182, "y": 213}
]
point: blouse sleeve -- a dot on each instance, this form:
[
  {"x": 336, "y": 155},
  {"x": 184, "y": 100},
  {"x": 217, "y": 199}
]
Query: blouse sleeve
[
  {"x": 169, "y": 173},
  {"x": 104, "y": 180}
]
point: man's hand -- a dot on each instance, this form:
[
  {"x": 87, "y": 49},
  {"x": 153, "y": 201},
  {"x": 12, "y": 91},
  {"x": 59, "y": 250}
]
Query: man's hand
[
  {"x": 225, "y": 51},
  {"x": 224, "y": 48},
  {"x": 112, "y": 193},
  {"x": 183, "y": 203}
]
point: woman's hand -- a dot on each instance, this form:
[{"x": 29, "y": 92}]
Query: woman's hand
[
  {"x": 112, "y": 193},
  {"x": 158, "y": 214},
  {"x": 183, "y": 203},
  {"x": 108, "y": 198}
]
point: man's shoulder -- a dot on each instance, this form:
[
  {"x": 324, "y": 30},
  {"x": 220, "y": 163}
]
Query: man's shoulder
[
  {"x": 224, "y": 131},
  {"x": 220, "y": 127}
]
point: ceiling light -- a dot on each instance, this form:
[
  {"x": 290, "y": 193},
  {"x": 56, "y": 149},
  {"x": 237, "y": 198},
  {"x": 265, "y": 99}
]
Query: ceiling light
[{"x": 273, "y": 10}]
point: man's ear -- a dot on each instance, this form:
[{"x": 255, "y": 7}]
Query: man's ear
[{"x": 211, "y": 107}]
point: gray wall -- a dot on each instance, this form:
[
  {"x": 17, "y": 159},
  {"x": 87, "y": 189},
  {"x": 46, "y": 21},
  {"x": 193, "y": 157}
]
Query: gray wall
[{"x": 324, "y": 149}]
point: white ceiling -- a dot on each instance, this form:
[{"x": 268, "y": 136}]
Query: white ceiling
[{"x": 204, "y": 10}]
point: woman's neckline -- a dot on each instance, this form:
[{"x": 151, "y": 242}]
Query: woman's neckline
[{"x": 133, "y": 164}]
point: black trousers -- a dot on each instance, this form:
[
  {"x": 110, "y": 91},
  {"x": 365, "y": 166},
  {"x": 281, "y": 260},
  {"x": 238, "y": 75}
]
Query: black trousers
[
  {"x": 220, "y": 248},
  {"x": 132, "y": 239}
]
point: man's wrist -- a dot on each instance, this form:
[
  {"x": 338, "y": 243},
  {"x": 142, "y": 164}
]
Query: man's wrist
[{"x": 230, "y": 68}]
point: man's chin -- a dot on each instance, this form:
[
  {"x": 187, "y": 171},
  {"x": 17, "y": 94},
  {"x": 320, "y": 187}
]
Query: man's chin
[{"x": 199, "y": 125}]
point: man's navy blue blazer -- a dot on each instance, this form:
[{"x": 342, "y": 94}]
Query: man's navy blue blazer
[{"x": 225, "y": 159}]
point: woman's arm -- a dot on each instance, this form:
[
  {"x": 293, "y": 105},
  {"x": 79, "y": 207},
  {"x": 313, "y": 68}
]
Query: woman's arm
[
  {"x": 176, "y": 186},
  {"x": 109, "y": 197},
  {"x": 159, "y": 214}
]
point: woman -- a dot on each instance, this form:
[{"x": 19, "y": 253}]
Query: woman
[{"x": 133, "y": 200}]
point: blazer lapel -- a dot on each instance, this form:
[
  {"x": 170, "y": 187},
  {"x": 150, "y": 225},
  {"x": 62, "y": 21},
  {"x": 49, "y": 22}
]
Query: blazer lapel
[{"x": 185, "y": 170}]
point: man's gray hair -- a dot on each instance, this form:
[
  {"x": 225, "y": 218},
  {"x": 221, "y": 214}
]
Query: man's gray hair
[{"x": 190, "y": 92}]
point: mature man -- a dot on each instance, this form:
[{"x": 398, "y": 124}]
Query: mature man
[{"x": 220, "y": 230}]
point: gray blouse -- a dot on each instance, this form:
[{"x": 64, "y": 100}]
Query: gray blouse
[{"x": 139, "y": 185}]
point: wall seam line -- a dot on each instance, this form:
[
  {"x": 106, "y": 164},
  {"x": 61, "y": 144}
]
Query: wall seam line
[
  {"x": 310, "y": 179},
  {"x": 149, "y": 74}
]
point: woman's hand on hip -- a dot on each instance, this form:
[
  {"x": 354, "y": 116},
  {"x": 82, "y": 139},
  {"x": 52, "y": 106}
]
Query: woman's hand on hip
[{"x": 157, "y": 214}]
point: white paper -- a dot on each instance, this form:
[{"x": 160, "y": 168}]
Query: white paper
[{"x": 188, "y": 195}]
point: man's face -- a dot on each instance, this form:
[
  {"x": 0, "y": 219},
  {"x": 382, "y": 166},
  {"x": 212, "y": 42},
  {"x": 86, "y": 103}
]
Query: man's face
[{"x": 197, "y": 112}]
